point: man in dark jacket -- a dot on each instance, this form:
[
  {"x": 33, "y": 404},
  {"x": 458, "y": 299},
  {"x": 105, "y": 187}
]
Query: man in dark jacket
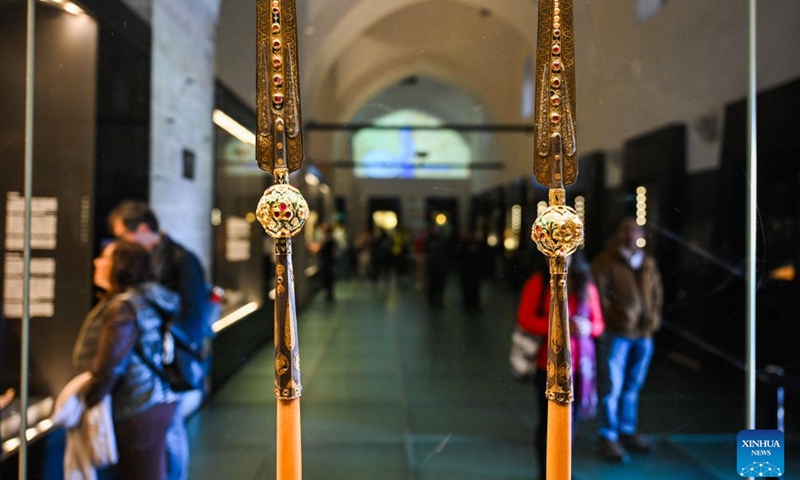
[
  {"x": 178, "y": 269},
  {"x": 631, "y": 295}
]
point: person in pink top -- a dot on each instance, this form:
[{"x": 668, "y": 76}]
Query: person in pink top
[{"x": 586, "y": 324}]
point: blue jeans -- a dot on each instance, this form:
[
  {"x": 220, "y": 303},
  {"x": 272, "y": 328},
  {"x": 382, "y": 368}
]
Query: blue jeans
[
  {"x": 627, "y": 363},
  {"x": 177, "y": 449},
  {"x": 177, "y": 443}
]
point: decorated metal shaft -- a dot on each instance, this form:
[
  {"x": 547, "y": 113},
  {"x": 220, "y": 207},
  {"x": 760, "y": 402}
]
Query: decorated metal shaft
[
  {"x": 278, "y": 88},
  {"x": 282, "y": 210},
  {"x": 558, "y": 231}
]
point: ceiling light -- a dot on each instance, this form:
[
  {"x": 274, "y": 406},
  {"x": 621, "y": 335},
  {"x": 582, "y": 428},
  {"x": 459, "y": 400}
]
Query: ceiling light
[
  {"x": 72, "y": 8},
  {"x": 233, "y": 127}
]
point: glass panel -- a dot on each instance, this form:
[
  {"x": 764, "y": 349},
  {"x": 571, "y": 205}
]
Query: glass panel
[{"x": 419, "y": 147}]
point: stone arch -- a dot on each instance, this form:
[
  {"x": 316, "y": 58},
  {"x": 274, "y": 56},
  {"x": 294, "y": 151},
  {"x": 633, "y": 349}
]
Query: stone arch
[
  {"x": 385, "y": 78},
  {"x": 520, "y": 15}
]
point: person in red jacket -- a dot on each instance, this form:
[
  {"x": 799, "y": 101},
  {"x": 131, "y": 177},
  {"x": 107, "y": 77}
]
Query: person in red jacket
[{"x": 586, "y": 324}]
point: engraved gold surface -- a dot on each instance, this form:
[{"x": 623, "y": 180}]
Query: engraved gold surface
[
  {"x": 559, "y": 357},
  {"x": 558, "y": 231},
  {"x": 282, "y": 211},
  {"x": 283, "y": 246},
  {"x": 555, "y": 91},
  {"x": 277, "y": 85},
  {"x": 289, "y": 329},
  {"x": 287, "y": 349},
  {"x": 558, "y": 196},
  {"x": 281, "y": 364}
]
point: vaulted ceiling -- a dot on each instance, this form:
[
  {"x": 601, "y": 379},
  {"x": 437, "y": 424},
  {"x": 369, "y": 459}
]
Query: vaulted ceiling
[
  {"x": 684, "y": 60},
  {"x": 352, "y": 50}
]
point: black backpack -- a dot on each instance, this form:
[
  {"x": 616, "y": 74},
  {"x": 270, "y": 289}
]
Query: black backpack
[{"x": 184, "y": 362}]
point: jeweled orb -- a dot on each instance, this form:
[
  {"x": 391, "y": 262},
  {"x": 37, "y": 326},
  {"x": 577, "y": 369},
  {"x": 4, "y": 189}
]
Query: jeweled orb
[
  {"x": 558, "y": 231},
  {"x": 282, "y": 211}
]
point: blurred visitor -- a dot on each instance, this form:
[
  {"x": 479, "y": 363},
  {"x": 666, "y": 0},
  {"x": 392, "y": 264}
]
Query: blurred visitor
[
  {"x": 120, "y": 344},
  {"x": 178, "y": 269},
  {"x": 437, "y": 266},
  {"x": 419, "y": 258},
  {"x": 585, "y": 324},
  {"x": 401, "y": 241},
  {"x": 362, "y": 247},
  {"x": 327, "y": 260},
  {"x": 471, "y": 265},
  {"x": 632, "y": 295},
  {"x": 343, "y": 250},
  {"x": 380, "y": 255}
]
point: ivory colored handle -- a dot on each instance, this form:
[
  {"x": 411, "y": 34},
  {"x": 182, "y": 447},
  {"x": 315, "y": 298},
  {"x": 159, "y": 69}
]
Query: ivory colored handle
[
  {"x": 289, "y": 449},
  {"x": 559, "y": 441}
]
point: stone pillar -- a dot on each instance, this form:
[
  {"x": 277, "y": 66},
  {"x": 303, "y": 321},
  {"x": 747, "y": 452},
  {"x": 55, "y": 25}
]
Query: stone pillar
[{"x": 181, "y": 155}]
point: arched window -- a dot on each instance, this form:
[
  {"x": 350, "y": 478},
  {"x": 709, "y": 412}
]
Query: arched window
[{"x": 407, "y": 152}]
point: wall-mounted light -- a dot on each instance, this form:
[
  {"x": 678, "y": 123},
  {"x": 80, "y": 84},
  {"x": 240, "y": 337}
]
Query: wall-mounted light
[
  {"x": 68, "y": 7},
  {"x": 641, "y": 206},
  {"x": 72, "y": 8},
  {"x": 511, "y": 244},
  {"x": 233, "y": 127},
  {"x": 580, "y": 207},
  {"x": 234, "y": 317},
  {"x": 216, "y": 217},
  {"x": 516, "y": 219}
]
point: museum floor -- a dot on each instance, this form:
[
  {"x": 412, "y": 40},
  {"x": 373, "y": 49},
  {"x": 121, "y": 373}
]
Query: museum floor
[{"x": 395, "y": 391}]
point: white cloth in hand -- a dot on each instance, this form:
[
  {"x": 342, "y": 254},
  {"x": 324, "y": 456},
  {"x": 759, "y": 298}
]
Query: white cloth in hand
[{"x": 91, "y": 442}]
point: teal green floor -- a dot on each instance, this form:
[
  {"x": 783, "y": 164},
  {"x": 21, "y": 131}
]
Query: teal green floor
[{"x": 395, "y": 391}]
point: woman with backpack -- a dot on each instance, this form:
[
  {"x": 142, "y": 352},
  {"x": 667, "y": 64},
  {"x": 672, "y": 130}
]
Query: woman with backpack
[{"x": 120, "y": 344}]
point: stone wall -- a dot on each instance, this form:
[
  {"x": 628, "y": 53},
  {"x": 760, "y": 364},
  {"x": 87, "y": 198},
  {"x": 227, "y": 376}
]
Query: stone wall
[{"x": 181, "y": 152}]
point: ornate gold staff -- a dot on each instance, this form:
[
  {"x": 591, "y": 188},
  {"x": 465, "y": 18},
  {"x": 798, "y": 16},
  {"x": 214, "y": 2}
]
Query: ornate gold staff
[
  {"x": 282, "y": 209},
  {"x": 558, "y": 231}
]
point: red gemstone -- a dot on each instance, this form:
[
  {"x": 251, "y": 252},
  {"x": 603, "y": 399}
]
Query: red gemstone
[
  {"x": 555, "y": 118},
  {"x": 556, "y": 82},
  {"x": 276, "y": 44},
  {"x": 276, "y": 62},
  {"x": 556, "y": 66},
  {"x": 288, "y": 214},
  {"x": 556, "y": 49},
  {"x": 276, "y": 28},
  {"x": 556, "y": 101},
  {"x": 283, "y": 206},
  {"x": 275, "y": 10},
  {"x": 276, "y": 214},
  {"x": 277, "y": 98},
  {"x": 278, "y": 80}
]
